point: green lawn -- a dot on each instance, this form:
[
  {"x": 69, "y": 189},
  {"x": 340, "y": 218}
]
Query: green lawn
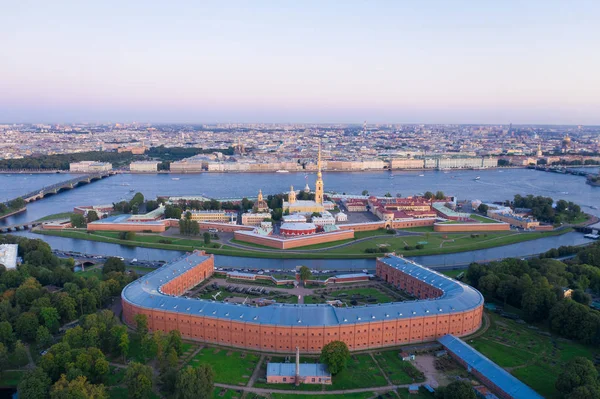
[
  {"x": 398, "y": 371},
  {"x": 537, "y": 359},
  {"x": 482, "y": 219},
  {"x": 115, "y": 376},
  {"x": 438, "y": 243},
  {"x": 453, "y": 273},
  {"x": 90, "y": 273},
  {"x": 223, "y": 393},
  {"x": 11, "y": 378},
  {"x": 230, "y": 367},
  {"x": 361, "y": 372},
  {"x": 361, "y": 294},
  {"x": 63, "y": 215}
]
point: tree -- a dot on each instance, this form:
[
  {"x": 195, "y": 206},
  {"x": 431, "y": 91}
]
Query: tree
[
  {"x": 113, "y": 264},
  {"x": 440, "y": 195},
  {"x": 585, "y": 392},
  {"x": 7, "y": 337},
  {"x": 20, "y": 354},
  {"x": 174, "y": 341},
  {"x": 335, "y": 355},
  {"x": 50, "y": 318},
  {"x": 428, "y": 195},
  {"x": 388, "y": 194},
  {"x": 78, "y": 388},
  {"x": 77, "y": 221},
  {"x": 305, "y": 273},
  {"x": 124, "y": 345},
  {"x": 581, "y": 297},
  {"x": 365, "y": 192},
  {"x": 141, "y": 325},
  {"x": 138, "y": 379},
  {"x": 578, "y": 372},
  {"x": 43, "y": 338},
  {"x": 195, "y": 383},
  {"x": 483, "y": 208},
  {"x": 35, "y": 384},
  {"x": 206, "y": 237},
  {"x": 27, "y": 325},
  {"x": 3, "y": 357},
  {"x": 459, "y": 390},
  {"x": 92, "y": 216}
]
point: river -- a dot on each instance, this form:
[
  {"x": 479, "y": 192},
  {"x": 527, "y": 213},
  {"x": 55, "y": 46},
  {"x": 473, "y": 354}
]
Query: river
[
  {"x": 460, "y": 259},
  {"x": 493, "y": 185}
]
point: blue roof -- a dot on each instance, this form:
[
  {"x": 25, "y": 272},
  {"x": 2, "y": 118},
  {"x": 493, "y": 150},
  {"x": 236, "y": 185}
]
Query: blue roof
[
  {"x": 496, "y": 374},
  {"x": 289, "y": 370},
  {"x": 124, "y": 219},
  {"x": 457, "y": 297}
]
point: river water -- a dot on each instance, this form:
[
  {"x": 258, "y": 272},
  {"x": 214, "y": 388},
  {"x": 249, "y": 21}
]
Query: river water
[
  {"x": 493, "y": 185},
  {"x": 435, "y": 261}
]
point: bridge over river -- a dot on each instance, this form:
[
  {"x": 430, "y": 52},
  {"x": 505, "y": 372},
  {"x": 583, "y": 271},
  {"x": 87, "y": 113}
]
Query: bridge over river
[{"x": 62, "y": 186}]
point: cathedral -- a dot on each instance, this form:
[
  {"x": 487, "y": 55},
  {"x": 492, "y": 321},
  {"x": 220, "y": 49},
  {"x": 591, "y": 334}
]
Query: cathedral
[{"x": 292, "y": 205}]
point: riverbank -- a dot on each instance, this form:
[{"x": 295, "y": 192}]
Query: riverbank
[
  {"x": 10, "y": 213},
  {"x": 439, "y": 244}
]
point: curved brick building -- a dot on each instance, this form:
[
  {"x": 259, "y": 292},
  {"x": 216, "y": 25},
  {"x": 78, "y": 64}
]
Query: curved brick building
[{"x": 446, "y": 307}]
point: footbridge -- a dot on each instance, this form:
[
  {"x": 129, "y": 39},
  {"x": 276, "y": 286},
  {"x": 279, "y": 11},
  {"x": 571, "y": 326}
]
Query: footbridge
[{"x": 64, "y": 185}]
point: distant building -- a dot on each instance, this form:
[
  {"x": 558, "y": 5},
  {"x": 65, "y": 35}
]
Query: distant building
[
  {"x": 8, "y": 255},
  {"x": 89, "y": 167},
  {"x": 254, "y": 219},
  {"x": 213, "y": 216},
  {"x": 143, "y": 167},
  {"x": 297, "y": 229}
]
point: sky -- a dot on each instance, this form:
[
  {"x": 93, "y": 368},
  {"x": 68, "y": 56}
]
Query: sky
[{"x": 497, "y": 62}]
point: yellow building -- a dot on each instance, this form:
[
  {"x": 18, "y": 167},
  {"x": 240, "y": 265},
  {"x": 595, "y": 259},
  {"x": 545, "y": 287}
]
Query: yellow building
[
  {"x": 213, "y": 216},
  {"x": 254, "y": 219},
  {"x": 292, "y": 205}
]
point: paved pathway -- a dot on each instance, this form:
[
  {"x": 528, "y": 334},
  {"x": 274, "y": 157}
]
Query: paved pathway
[
  {"x": 256, "y": 371},
  {"x": 266, "y": 391}
]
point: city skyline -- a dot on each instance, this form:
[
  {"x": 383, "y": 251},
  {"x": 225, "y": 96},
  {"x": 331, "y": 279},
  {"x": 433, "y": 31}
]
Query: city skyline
[{"x": 306, "y": 63}]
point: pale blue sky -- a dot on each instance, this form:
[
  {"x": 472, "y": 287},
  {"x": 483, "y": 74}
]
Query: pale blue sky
[{"x": 301, "y": 61}]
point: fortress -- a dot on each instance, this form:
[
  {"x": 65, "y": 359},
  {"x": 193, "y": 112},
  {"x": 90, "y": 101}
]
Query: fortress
[{"x": 445, "y": 306}]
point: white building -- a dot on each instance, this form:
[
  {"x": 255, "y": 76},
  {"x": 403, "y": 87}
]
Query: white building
[
  {"x": 8, "y": 255},
  {"x": 326, "y": 219},
  {"x": 144, "y": 167},
  {"x": 341, "y": 217},
  {"x": 89, "y": 167},
  {"x": 294, "y": 218}
]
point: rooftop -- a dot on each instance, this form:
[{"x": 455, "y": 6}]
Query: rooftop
[
  {"x": 496, "y": 374},
  {"x": 289, "y": 370},
  {"x": 146, "y": 293},
  {"x": 8, "y": 255}
]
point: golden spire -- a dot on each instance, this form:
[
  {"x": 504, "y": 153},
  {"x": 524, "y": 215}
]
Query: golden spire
[{"x": 319, "y": 174}]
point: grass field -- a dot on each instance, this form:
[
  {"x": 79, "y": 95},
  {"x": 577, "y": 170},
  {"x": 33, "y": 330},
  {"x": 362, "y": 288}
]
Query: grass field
[
  {"x": 11, "y": 378},
  {"x": 398, "y": 371},
  {"x": 453, "y": 273},
  {"x": 482, "y": 219},
  {"x": 361, "y": 372},
  {"x": 437, "y": 244},
  {"x": 231, "y": 367},
  {"x": 360, "y": 294},
  {"x": 535, "y": 359},
  {"x": 63, "y": 215},
  {"x": 223, "y": 393}
]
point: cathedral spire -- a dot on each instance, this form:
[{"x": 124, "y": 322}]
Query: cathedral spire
[{"x": 319, "y": 182}]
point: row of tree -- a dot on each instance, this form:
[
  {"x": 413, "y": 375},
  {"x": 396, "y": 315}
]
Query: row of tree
[
  {"x": 62, "y": 161},
  {"x": 542, "y": 208},
  {"x": 537, "y": 288}
]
